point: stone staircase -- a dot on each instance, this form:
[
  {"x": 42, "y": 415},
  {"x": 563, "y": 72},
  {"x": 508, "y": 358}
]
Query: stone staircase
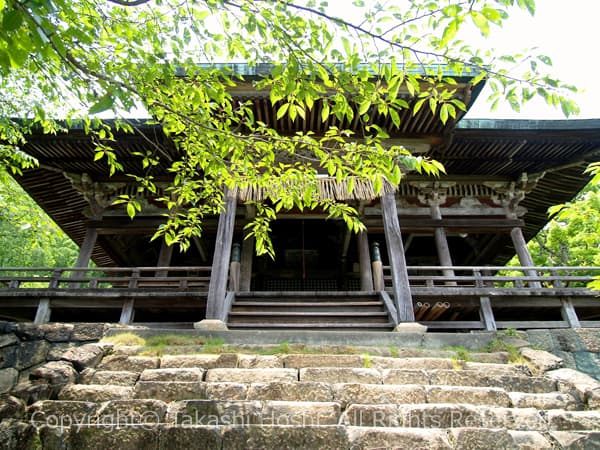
[
  {"x": 99, "y": 397},
  {"x": 331, "y": 311}
]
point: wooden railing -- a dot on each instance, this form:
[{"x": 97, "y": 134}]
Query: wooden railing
[
  {"x": 502, "y": 278},
  {"x": 105, "y": 278}
]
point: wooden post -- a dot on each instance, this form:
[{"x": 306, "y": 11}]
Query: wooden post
[
  {"x": 395, "y": 248},
  {"x": 364, "y": 261},
  {"x": 42, "y": 315},
  {"x": 246, "y": 264},
  {"x": 127, "y": 312},
  {"x": 441, "y": 242},
  {"x": 234, "y": 268},
  {"x": 220, "y": 266},
  {"x": 378, "y": 282},
  {"x": 164, "y": 258},
  {"x": 487, "y": 314},
  {"x": 524, "y": 256},
  {"x": 567, "y": 311},
  {"x": 85, "y": 252}
]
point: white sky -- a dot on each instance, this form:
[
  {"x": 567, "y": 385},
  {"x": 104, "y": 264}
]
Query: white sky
[{"x": 569, "y": 33}]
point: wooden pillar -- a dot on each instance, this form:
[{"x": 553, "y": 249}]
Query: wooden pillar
[
  {"x": 567, "y": 311},
  {"x": 364, "y": 261},
  {"x": 220, "y": 266},
  {"x": 246, "y": 264},
  {"x": 85, "y": 251},
  {"x": 234, "y": 268},
  {"x": 42, "y": 314},
  {"x": 523, "y": 254},
  {"x": 164, "y": 258},
  {"x": 486, "y": 314},
  {"x": 395, "y": 248},
  {"x": 441, "y": 242}
]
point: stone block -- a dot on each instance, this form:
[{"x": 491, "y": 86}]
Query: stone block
[
  {"x": 129, "y": 363},
  {"x": 8, "y": 379},
  {"x": 590, "y": 339},
  {"x": 340, "y": 375},
  {"x": 33, "y": 391},
  {"x": 286, "y": 437},
  {"x": 57, "y": 332},
  {"x": 213, "y": 413},
  {"x": 7, "y": 340},
  {"x": 18, "y": 435},
  {"x": 496, "y": 357},
  {"x": 227, "y": 360},
  {"x": 507, "y": 382},
  {"x": 481, "y": 439},
  {"x": 88, "y": 331},
  {"x": 570, "y": 379},
  {"x": 55, "y": 373},
  {"x": 114, "y": 437},
  {"x": 440, "y": 415},
  {"x": 95, "y": 392},
  {"x": 524, "y": 419},
  {"x": 8, "y": 356},
  {"x": 29, "y": 332},
  {"x": 349, "y": 393},
  {"x": 170, "y": 391},
  {"x": 114, "y": 377},
  {"x": 405, "y": 376},
  {"x": 173, "y": 437},
  {"x": 57, "y": 349},
  {"x": 300, "y": 413},
  {"x": 11, "y": 407},
  {"x": 573, "y": 420},
  {"x": 226, "y": 391},
  {"x": 88, "y": 355},
  {"x": 251, "y": 375},
  {"x": 566, "y": 340},
  {"x": 260, "y": 361},
  {"x": 132, "y": 412},
  {"x": 550, "y": 400},
  {"x": 530, "y": 440},
  {"x": 592, "y": 398},
  {"x": 371, "y": 416},
  {"x": 577, "y": 440},
  {"x": 467, "y": 395},
  {"x": 398, "y": 438},
  {"x": 291, "y": 391},
  {"x": 498, "y": 369},
  {"x": 198, "y": 361},
  {"x": 62, "y": 413},
  {"x": 541, "y": 360},
  {"x": 411, "y": 363},
  {"x": 183, "y": 374},
  {"x": 298, "y": 361},
  {"x": 31, "y": 353}
]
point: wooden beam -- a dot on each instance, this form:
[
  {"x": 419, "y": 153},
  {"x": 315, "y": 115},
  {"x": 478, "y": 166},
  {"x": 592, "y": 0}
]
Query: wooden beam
[
  {"x": 220, "y": 266},
  {"x": 395, "y": 248},
  {"x": 86, "y": 249}
]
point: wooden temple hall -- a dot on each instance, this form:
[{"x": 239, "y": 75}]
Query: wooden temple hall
[{"x": 434, "y": 251}]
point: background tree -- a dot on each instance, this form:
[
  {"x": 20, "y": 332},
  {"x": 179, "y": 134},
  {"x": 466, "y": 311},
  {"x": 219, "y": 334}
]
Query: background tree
[
  {"x": 81, "y": 58},
  {"x": 28, "y": 237}
]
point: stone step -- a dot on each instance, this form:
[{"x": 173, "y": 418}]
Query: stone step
[{"x": 159, "y": 436}]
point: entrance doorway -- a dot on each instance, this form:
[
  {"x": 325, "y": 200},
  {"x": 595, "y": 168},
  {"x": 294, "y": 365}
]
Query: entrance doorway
[{"x": 310, "y": 255}]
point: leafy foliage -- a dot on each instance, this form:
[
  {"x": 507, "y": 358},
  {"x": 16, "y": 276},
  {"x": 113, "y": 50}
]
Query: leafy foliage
[
  {"x": 69, "y": 59},
  {"x": 28, "y": 237}
]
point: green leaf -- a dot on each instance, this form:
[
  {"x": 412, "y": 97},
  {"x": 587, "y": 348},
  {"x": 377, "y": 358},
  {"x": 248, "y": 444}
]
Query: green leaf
[
  {"x": 481, "y": 22},
  {"x": 283, "y": 109},
  {"x": 105, "y": 102},
  {"x": 12, "y": 20}
]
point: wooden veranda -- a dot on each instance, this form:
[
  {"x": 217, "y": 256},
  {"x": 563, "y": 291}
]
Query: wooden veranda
[{"x": 443, "y": 298}]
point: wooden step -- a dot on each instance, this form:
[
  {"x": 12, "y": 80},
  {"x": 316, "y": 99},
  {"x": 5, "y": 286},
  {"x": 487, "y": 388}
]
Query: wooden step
[
  {"x": 356, "y": 326},
  {"x": 253, "y": 302}
]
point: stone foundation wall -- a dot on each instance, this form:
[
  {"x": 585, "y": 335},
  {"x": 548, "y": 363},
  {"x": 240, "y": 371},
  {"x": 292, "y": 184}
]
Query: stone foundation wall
[
  {"x": 24, "y": 347},
  {"x": 579, "y": 348}
]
